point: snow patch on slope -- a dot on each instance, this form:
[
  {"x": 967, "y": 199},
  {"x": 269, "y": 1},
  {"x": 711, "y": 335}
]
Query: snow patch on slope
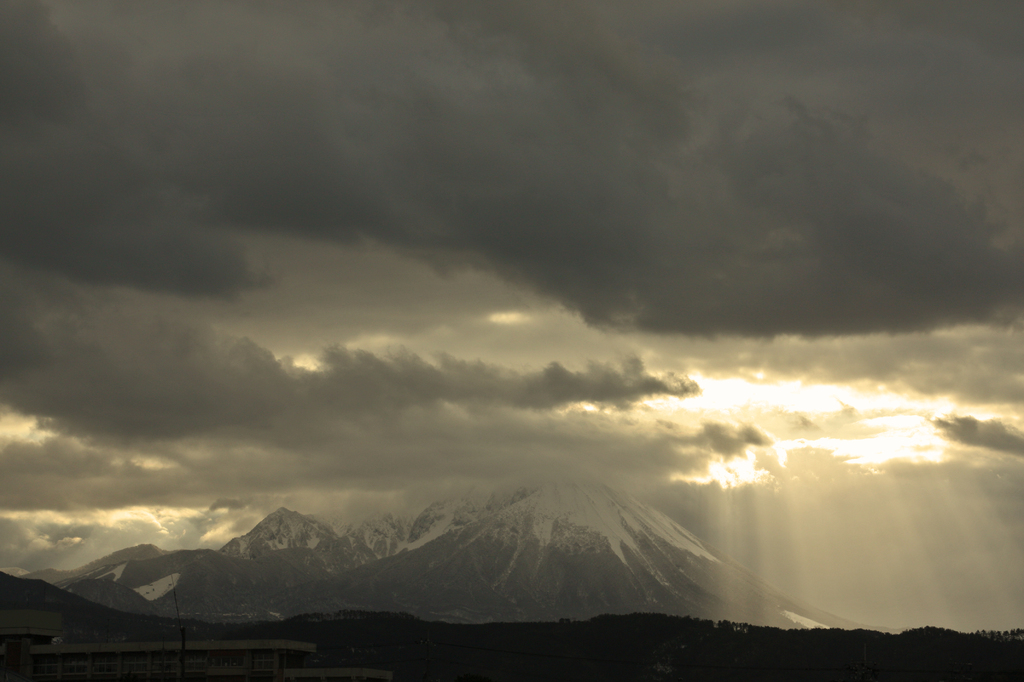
[
  {"x": 159, "y": 588},
  {"x": 802, "y": 620},
  {"x": 573, "y": 508},
  {"x": 116, "y": 572},
  {"x": 440, "y": 518},
  {"x": 657, "y": 523}
]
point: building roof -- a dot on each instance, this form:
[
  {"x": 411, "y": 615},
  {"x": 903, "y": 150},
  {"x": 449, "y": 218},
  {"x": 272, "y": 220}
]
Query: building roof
[
  {"x": 8, "y": 675},
  {"x": 337, "y": 674},
  {"x": 175, "y": 645},
  {"x": 31, "y": 622}
]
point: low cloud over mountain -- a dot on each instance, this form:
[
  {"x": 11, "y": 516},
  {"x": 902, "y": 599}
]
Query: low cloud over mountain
[{"x": 746, "y": 258}]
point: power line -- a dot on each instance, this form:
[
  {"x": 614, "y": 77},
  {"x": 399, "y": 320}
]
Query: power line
[
  {"x": 540, "y": 676},
  {"x": 355, "y": 647},
  {"x": 625, "y": 661},
  {"x": 715, "y": 666},
  {"x": 540, "y": 655}
]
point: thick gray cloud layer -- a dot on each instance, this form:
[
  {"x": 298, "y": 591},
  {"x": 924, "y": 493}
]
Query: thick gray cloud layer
[
  {"x": 78, "y": 200},
  {"x": 529, "y": 139},
  {"x": 117, "y": 378},
  {"x": 192, "y": 192},
  {"x": 37, "y": 67},
  {"x": 991, "y": 434}
]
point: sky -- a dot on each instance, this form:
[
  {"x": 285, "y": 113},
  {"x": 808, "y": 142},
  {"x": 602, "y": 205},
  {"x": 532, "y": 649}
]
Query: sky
[{"x": 757, "y": 262}]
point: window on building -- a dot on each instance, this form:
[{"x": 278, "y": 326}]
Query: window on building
[
  {"x": 45, "y": 665},
  {"x": 75, "y": 664},
  {"x": 293, "y": 660},
  {"x": 195, "y": 662},
  {"x": 263, "y": 660},
  {"x": 134, "y": 663},
  {"x": 227, "y": 661},
  {"x": 104, "y": 664},
  {"x": 165, "y": 661}
]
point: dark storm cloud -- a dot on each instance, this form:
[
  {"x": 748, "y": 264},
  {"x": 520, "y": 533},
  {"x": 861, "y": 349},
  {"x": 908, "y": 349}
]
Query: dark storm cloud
[
  {"x": 368, "y": 382},
  {"x": 128, "y": 377},
  {"x": 38, "y": 73},
  {"x": 992, "y": 434},
  {"x": 76, "y": 207},
  {"x": 758, "y": 30},
  {"x": 227, "y": 503},
  {"x": 888, "y": 246},
  {"x": 990, "y": 23},
  {"x": 525, "y": 138},
  {"x": 76, "y": 200},
  {"x": 727, "y": 439},
  {"x": 21, "y": 346}
]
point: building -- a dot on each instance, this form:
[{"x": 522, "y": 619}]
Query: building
[
  {"x": 39, "y": 627},
  {"x": 19, "y": 632},
  {"x": 27, "y": 648}
]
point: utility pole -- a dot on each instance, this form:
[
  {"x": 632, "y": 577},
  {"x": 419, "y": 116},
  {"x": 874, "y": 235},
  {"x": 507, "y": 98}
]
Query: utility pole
[
  {"x": 862, "y": 672},
  {"x": 181, "y": 656},
  {"x": 181, "y": 628},
  {"x": 430, "y": 647},
  {"x": 960, "y": 672}
]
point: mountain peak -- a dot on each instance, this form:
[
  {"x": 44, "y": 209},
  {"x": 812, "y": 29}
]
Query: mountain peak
[
  {"x": 566, "y": 511},
  {"x": 281, "y": 529},
  {"x": 552, "y": 550},
  {"x": 532, "y": 552}
]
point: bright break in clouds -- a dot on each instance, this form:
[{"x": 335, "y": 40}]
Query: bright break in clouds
[{"x": 758, "y": 261}]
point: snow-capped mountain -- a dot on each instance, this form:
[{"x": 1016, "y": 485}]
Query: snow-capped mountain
[
  {"x": 443, "y": 517},
  {"x": 379, "y": 536},
  {"x": 99, "y": 567},
  {"x": 384, "y": 535},
  {"x": 562, "y": 550},
  {"x": 282, "y": 529},
  {"x": 539, "y": 553}
]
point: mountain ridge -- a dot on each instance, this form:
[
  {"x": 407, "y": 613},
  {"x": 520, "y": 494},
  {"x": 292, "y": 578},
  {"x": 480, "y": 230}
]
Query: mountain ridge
[
  {"x": 94, "y": 568},
  {"x": 529, "y": 553},
  {"x": 558, "y": 551}
]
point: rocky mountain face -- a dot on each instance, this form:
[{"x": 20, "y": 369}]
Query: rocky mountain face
[
  {"x": 283, "y": 529},
  {"x": 541, "y": 553},
  {"x": 15, "y": 571},
  {"x": 377, "y": 537},
  {"x": 552, "y": 552},
  {"x": 97, "y": 568}
]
